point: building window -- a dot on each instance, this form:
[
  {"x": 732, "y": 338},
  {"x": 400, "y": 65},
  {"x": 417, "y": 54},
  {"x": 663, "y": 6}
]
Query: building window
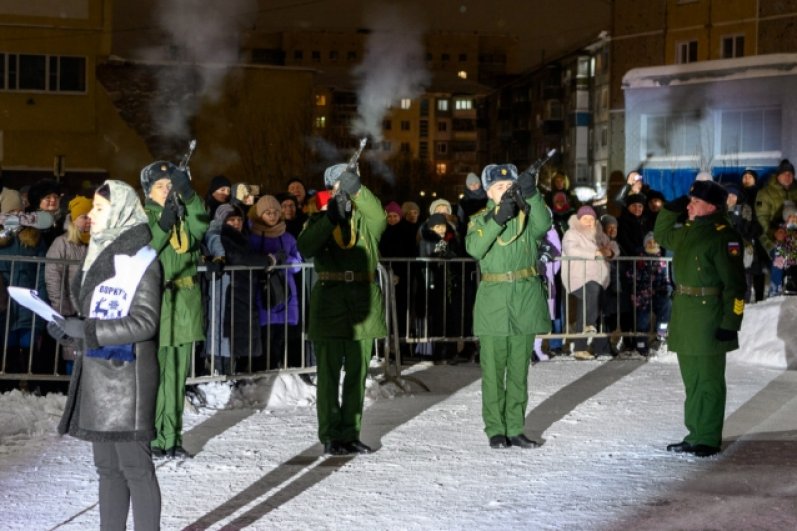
[
  {"x": 424, "y": 107},
  {"x": 387, "y": 125},
  {"x": 442, "y": 105},
  {"x": 52, "y": 73},
  {"x": 442, "y": 127},
  {"x": 333, "y": 55},
  {"x": 351, "y": 56},
  {"x": 463, "y": 104},
  {"x": 320, "y": 100},
  {"x": 423, "y": 150},
  {"x": 441, "y": 168},
  {"x": 386, "y": 146},
  {"x": 445, "y": 57},
  {"x": 732, "y": 46},
  {"x": 686, "y": 52},
  {"x": 405, "y": 147},
  {"x": 320, "y": 122},
  {"x": 675, "y": 135},
  {"x": 749, "y": 131},
  {"x": 441, "y": 148},
  {"x": 462, "y": 74},
  {"x": 423, "y": 128},
  {"x": 405, "y": 125},
  {"x": 298, "y": 55},
  {"x": 406, "y": 103},
  {"x": 316, "y": 56},
  {"x": 463, "y": 57}
]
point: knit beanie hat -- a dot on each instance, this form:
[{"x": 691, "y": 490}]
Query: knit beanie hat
[
  {"x": 585, "y": 211},
  {"x": 393, "y": 207},
  {"x": 219, "y": 181},
  {"x": 79, "y": 206},
  {"x": 635, "y": 198},
  {"x": 41, "y": 189},
  {"x": 406, "y": 206},
  {"x": 265, "y": 203},
  {"x": 440, "y": 202},
  {"x": 784, "y": 166},
  {"x": 436, "y": 219},
  {"x": 608, "y": 219},
  {"x": 472, "y": 179}
]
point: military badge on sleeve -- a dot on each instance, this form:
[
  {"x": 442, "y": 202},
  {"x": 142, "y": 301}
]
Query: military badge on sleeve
[{"x": 734, "y": 248}]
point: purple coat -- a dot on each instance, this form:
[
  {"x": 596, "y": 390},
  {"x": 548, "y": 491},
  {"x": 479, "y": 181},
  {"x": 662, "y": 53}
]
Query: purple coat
[{"x": 287, "y": 244}]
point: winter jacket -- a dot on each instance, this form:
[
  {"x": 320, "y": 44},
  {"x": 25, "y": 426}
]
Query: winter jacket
[
  {"x": 58, "y": 276},
  {"x": 516, "y": 307},
  {"x": 181, "y": 311},
  {"x": 769, "y": 208},
  {"x": 581, "y": 243},
  {"x": 707, "y": 254},
  {"x": 112, "y": 400},
  {"x": 340, "y": 309},
  {"x": 286, "y": 244},
  {"x": 631, "y": 232},
  {"x": 27, "y": 242}
]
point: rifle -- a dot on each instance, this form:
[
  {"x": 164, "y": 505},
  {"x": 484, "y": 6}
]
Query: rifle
[
  {"x": 187, "y": 157},
  {"x": 352, "y": 167},
  {"x": 514, "y": 191}
]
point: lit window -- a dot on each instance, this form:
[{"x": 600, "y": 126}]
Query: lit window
[
  {"x": 462, "y": 74},
  {"x": 441, "y": 168},
  {"x": 320, "y": 100},
  {"x": 405, "y": 103},
  {"x": 463, "y": 104},
  {"x": 320, "y": 122},
  {"x": 442, "y": 105}
]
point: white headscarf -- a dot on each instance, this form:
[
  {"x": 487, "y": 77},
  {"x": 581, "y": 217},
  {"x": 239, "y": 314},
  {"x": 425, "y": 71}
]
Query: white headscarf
[{"x": 126, "y": 212}]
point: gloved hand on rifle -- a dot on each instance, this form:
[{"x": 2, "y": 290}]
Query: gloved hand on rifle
[
  {"x": 507, "y": 210},
  {"x": 214, "y": 267},
  {"x": 336, "y": 208},
  {"x": 528, "y": 184},
  {"x": 349, "y": 183},
  {"x": 181, "y": 183},
  {"x": 170, "y": 213}
]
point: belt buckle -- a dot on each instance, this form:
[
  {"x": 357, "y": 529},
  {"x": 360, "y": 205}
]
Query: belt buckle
[
  {"x": 510, "y": 276},
  {"x": 348, "y": 276}
]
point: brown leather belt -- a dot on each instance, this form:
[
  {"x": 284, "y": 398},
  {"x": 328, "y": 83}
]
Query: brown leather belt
[
  {"x": 347, "y": 276},
  {"x": 509, "y": 276},
  {"x": 696, "y": 292}
]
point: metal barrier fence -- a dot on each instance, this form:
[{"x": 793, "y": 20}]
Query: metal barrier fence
[{"x": 428, "y": 301}]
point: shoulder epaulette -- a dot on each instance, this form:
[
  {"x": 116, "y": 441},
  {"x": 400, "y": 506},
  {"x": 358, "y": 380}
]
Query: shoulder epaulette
[{"x": 720, "y": 226}]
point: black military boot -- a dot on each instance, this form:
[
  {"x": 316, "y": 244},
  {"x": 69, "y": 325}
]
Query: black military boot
[
  {"x": 499, "y": 441},
  {"x": 522, "y": 441},
  {"x": 335, "y": 448},
  {"x": 679, "y": 447},
  {"x": 704, "y": 450},
  {"x": 357, "y": 447}
]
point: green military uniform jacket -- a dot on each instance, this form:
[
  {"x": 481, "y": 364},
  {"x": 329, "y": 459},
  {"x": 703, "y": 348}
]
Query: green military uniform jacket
[
  {"x": 340, "y": 309},
  {"x": 708, "y": 253},
  {"x": 181, "y": 309},
  {"x": 518, "y": 307},
  {"x": 769, "y": 208}
]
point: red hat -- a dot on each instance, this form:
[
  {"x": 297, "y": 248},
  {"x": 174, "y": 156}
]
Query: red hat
[{"x": 321, "y": 199}]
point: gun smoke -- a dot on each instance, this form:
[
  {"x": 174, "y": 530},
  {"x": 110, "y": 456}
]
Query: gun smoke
[{"x": 393, "y": 67}]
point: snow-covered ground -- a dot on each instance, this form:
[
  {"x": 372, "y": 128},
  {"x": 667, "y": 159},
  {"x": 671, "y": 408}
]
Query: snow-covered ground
[{"x": 603, "y": 464}]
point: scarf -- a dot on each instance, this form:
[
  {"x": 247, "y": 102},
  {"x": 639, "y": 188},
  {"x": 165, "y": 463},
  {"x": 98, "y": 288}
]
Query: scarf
[{"x": 126, "y": 212}]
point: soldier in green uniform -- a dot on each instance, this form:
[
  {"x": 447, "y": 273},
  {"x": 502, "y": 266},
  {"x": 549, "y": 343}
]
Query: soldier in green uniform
[
  {"x": 707, "y": 310},
  {"x": 178, "y": 222},
  {"x": 346, "y": 308},
  {"x": 511, "y": 303}
]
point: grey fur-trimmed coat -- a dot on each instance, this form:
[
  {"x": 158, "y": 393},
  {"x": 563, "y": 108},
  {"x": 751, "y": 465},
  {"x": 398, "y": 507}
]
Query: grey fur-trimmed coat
[{"x": 111, "y": 400}]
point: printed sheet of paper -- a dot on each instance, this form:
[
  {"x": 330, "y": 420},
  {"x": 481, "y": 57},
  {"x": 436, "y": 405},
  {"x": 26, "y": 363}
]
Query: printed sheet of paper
[{"x": 29, "y": 298}]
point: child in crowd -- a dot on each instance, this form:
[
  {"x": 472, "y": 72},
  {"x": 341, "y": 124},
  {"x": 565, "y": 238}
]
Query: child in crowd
[{"x": 784, "y": 254}]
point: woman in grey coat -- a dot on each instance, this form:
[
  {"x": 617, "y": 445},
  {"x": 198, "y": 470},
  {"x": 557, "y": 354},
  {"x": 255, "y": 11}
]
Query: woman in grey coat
[{"x": 111, "y": 400}]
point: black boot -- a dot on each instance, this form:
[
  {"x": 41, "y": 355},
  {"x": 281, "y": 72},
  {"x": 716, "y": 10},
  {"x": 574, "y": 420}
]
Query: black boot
[
  {"x": 357, "y": 447},
  {"x": 679, "y": 447},
  {"x": 522, "y": 441},
  {"x": 335, "y": 448},
  {"x": 704, "y": 450},
  {"x": 499, "y": 441}
]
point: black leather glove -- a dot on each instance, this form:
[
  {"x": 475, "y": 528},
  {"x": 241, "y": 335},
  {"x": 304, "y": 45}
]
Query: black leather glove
[
  {"x": 215, "y": 267},
  {"x": 528, "y": 184},
  {"x": 507, "y": 210},
  {"x": 181, "y": 183},
  {"x": 723, "y": 334},
  {"x": 279, "y": 257},
  {"x": 169, "y": 215},
  {"x": 349, "y": 182},
  {"x": 678, "y": 204},
  {"x": 336, "y": 208},
  {"x": 72, "y": 326}
]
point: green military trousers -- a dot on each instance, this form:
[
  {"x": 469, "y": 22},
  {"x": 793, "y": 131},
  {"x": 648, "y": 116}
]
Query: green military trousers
[
  {"x": 704, "y": 407},
  {"x": 173, "y": 363},
  {"x": 340, "y": 419},
  {"x": 505, "y": 368}
]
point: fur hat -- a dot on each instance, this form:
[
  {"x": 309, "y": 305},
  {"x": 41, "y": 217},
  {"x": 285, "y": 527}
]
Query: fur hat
[
  {"x": 436, "y": 219},
  {"x": 710, "y": 192},
  {"x": 493, "y": 173},
  {"x": 789, "y": 209},
  {"x": 635, "y": 198},
  {"x": 154, "y": 172},
  {"x": 784, "y": 166},
  {"x": 41, "y": 189},
  {"x": 586, "y": 211},
  {"x": 472, "y": 179},
  {"x": 393, "y": 207},
  {"x": 608, "y": 219},
  {"x": 406, "y": 206},
  {"x": 440, "y": 202},
  {"x": 333, "y": 173},
  {"x": 78, "y": 206},
  {"x": 650, "y": 244}
]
